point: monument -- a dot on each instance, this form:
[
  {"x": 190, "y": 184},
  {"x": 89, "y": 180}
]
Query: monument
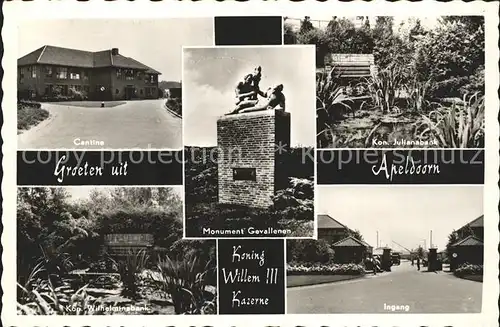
[{"x": 253, "y": 143}]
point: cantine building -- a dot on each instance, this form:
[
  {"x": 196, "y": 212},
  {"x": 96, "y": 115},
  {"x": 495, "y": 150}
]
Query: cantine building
[{"x": 55, "y": 73}]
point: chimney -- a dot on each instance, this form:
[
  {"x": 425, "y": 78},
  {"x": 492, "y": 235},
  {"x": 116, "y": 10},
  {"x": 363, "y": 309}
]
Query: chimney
[{"x": 114, "y": 51}]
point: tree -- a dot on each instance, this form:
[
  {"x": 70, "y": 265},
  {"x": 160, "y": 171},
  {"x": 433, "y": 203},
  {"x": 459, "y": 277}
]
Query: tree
[
  {"x": 384, "y": 41},
  {"x": 452, "y": 55},
  {"x": 306, "y": 25},
  {"x": 344, "y": 37},
  {"x": 420, "y": 252},
  {"x": 319, "y": 39},
  {"x": 289, "y": 35},
  {"x": 356, "y": 234}
]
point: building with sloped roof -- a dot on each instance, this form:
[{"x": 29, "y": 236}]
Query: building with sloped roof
[
  {"x": 56, "y": 73},
  {"x": 470, "y": 247},
  {"x": 351, "y": 250},
  {"x": 475, "y": 227}
]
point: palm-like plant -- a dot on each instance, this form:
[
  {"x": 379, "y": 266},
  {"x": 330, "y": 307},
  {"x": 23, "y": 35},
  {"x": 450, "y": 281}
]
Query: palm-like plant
[
  {"x": 130, "y": 269},
  {"x": 331, "y": 102},
  {"x": 384, "y": 86},
  {"x": 185, "y": 281},
  {"x": 458, "y": 126},
  {"x": 417, "y": 96}
]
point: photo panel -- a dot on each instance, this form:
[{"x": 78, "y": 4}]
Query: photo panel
[
  {"x": 249, "y": 141},
  {"x": 396, "y": 81},
  {"x": 110, "y": 251},
  {"x": 103, "y": 83},
  {"x": 401, "y": 249}
]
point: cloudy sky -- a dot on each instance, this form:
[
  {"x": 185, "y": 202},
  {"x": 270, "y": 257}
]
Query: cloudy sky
[
  {"x": 404, "y": 214},
  {"x": 211, "y": 75},
  {"x": 155, "y": 42}
]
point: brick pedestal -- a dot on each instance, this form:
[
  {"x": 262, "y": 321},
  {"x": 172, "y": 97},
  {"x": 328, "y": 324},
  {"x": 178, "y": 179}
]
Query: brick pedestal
[{"x": 252, "y": 156}]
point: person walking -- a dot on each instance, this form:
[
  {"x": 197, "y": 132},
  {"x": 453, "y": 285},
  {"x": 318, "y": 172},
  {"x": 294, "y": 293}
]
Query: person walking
[{"x": 418, "y": 263}]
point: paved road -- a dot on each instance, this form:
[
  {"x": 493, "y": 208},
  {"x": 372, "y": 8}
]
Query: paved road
[
  {"x": 135, "y": 124},
  {"x": 424, "y": 292}
]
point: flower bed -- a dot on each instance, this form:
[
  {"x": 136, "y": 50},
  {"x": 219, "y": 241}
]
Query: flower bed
[
  {"x": 468, "y": 269},
  {"x": 30, "y": 113},
  {"x": 325, "y": 269}
]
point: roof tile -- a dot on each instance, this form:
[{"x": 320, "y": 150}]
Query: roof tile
[{"x": 52, "y": 55}]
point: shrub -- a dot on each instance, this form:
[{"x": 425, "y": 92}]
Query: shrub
[
  {"x": 309, "y": 251},
  {"x": 296, "y": 201},
  {"x": 105, "y": 265},
  {"x": 174, "y": 104},
  {"x": 468, "y": 269},
  {"x": 30, "y": 115},
  {"x": 324, "y": 269},
  {"x": 29, "y": 104}
]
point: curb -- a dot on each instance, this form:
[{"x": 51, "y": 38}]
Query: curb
[{"x": 171, "y": 111}]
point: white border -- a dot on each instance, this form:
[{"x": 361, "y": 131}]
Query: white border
[{"x": 15, "y": 11}]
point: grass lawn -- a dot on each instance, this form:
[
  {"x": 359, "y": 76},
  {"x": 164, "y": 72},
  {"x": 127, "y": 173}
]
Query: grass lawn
[
  {"x": 304, "y": 280},
  {"x": 89, "y": 104},
  {"x": 28, "y": 117}
]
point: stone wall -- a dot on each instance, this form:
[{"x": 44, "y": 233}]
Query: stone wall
[{"x": 249, "y": 140}]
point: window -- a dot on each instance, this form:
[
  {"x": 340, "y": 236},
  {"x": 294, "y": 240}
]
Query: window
[
  {"x": 151, "y": 79},
  {"x": 129, "y": 74},
  {"x": 48, "y": 71},
  {"x": 148, "y": 91},
  {"x": 141, "y": 91},
  {"x": 21, "y": 74},
  {"x": 244, "y": 174},
  {"x": 139, "y": 75},
  {"x": 74, "y": 74},
  {"x": 85, "y": 75},
  {"x": 118, "y": 73},
  {"x": 86, "y": 89},
  {"x": 62, "y": 73},
  {"x": 33, "y": 71}
]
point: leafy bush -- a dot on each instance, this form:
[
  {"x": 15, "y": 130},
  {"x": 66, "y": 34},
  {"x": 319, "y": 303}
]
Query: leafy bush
[
  {"x": 309, "y": 251},
  {"x": 30, "y": 114},
  {"x": 468, "y": 269},
  {"x": 28, "y": 103},
  {"x": 458, "y": 126},
  {"x": 325, "y": 269},
  {"x": 105, "y": 265},
  {"x": 175, "y": 104},
  {"x": 296, "y": 201}
]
